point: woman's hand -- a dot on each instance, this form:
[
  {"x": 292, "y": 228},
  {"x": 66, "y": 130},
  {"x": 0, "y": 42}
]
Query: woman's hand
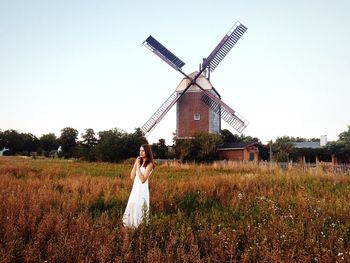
[
  {"x": 135, "y": 167},
  {"x": 138, "y": 162}
]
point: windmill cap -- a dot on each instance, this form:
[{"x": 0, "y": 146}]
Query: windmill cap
[{"x": 201, "y": 80}]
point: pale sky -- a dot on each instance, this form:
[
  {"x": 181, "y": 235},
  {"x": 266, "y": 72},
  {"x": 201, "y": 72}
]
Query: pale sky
[{"x": 81, "y": 64}]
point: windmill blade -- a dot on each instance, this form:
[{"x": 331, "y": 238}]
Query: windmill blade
[
  {"x": 157, "y": 48},
  {"x": 160, "y": 113},
  {"x": 227, "y": 114},
  {"x": 225, "y": 45}
]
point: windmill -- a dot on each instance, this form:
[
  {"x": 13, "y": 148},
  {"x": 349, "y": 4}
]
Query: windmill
[{"x": 199, "y": 105}]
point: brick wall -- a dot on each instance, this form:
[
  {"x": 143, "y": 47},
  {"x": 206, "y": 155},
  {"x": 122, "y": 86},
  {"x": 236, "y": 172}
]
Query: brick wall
[
  {"x": 189, "y": 104},
  {"x": 239, "y": 154},
  {"x": 236, "y": 155}
]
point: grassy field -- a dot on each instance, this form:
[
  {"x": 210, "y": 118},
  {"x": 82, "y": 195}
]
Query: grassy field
[{"x": 65, "y": 211}]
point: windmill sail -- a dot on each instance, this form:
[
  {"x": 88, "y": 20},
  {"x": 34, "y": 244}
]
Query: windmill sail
[
  {"x": 238, "y": 122},
  {"x": 161, "y": 51},
  {"x": 225, "y": 45},
  {"x": 160, "y": 113}
]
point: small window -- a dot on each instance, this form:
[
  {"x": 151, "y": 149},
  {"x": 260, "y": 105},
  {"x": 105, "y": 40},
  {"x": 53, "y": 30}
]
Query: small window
[{"x": 197, "y": 116}]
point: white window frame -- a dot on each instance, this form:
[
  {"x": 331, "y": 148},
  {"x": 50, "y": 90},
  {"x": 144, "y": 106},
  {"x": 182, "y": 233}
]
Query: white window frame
[{"x": 197, "y": 116}]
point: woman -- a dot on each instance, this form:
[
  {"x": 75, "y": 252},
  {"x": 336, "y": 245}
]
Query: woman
[{"x": 137, "y": 208}]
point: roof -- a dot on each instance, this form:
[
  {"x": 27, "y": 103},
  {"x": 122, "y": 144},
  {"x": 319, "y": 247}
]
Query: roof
[
  {"x": 236, "y": 145},
  {"x": 312, "y": 145},
  {"x": 201, "y": 80}
]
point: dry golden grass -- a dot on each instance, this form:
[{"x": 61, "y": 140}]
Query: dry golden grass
[{"x": 64, "y": 211}]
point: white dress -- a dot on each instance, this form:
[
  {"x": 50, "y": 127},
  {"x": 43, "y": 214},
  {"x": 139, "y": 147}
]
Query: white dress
[{"x": 137, "y": 208}]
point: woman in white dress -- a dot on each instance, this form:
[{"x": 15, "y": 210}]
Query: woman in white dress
[{"x": 137, "y": 208}]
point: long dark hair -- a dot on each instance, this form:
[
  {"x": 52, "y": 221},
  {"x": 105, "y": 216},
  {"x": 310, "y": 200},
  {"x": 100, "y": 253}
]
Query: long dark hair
[{"x": 149, "y": 154}]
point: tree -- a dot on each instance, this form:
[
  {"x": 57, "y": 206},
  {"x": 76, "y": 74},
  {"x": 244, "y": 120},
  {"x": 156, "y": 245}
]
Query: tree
[
  {"x": 89, "y": 138},
  {"x": 14, "y": 141},
  {"x": 202, "y": 148},
  {"x": 2, "y": 140},
  {"x": 282, "y": 148},
  {"x": 160, "y": 150},
  {"x": 30, "y": 142},
  {"x": 107, "y": 148},
  {"x": 183, "y": 149},
  {"x": 18, "y": 143},
  {"x": 344, "y": 140},
  {"x": 68, "y": 141},
  {"x": 228, "y": 137},
  {"x": 249, "y": 139},
  {"x": 85, "y": 148},
  {"x": 133, "y": 141},
  {"x": 48, "y": 142},
  {"x": 116, "y": 145},
  {"x": 264, "y": 152},
  {"x": 341, "y": 147},
  {"x": 205, "y": 146}
]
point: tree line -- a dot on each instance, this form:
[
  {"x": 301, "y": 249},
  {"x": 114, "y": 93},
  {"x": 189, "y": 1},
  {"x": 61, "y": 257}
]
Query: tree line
[
  {"x": 112, "y": 145},
  {"x": 116, "y": 145}
]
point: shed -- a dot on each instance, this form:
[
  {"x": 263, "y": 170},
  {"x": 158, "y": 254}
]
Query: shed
[{"x": 239, "y": 151}]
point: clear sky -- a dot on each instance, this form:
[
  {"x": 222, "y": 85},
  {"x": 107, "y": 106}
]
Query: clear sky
[{"x": 81, "y": 64}]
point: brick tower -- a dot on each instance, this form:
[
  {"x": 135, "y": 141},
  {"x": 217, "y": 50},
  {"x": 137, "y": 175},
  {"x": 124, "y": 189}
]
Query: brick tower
[{"x": 192, "y": 114}]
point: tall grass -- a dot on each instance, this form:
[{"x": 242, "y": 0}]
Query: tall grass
[{"x": 63, "y": 211}]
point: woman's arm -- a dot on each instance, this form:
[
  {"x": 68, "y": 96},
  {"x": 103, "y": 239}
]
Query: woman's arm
[
  {"x": 133, "y": 171},
  {"x": 148, "y": 171}
]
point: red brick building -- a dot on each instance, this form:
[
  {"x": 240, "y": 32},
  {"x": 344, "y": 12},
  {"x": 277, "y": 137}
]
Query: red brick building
[
  {"x": 239, "y": 152},
  {"x": 192, "y": 114}
]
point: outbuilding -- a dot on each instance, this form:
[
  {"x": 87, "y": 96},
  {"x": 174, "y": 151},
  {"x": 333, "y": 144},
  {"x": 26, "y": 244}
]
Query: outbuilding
[{"x": 239, "y": 151}]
